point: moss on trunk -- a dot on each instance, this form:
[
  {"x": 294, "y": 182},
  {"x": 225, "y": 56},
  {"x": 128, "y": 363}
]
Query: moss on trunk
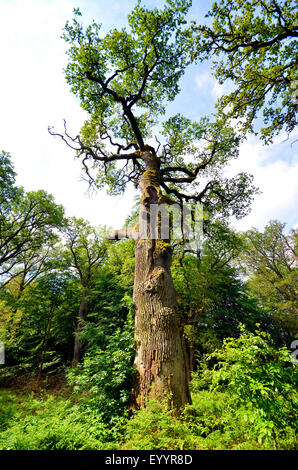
[{"x": 161, "y": 359}]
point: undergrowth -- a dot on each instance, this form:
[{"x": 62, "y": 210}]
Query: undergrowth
[
  {"x": 243, "y": 398},
  {"x": 30, "y": 422}
]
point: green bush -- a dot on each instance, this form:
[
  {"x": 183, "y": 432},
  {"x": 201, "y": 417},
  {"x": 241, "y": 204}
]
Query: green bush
[
  {"x": 263, "y": 379},
  {"x": 214, "y": 421},
  {"x": 244, "y": 397},
  {"x": 107, "y": 374},
  {"x": 211, "y": 422},
  {"x": 156, "y": 427}
]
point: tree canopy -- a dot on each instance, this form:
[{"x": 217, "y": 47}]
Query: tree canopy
[
  {"x": 123, "y": 80},
  {"x": 271, "y": 260},
  {"x": 253, "y": 47},
  {"x": 27, "y": 221}
]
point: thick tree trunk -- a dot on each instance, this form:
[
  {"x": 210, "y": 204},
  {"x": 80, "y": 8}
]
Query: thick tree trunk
[
  {"x": 161, "y": 359},
  {"x": 77, "y": 352}
]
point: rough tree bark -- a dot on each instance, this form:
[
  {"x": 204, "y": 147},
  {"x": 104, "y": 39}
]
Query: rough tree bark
[{"x": 161, "y": 358}]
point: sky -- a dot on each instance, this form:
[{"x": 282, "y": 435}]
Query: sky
[{"x": 35, "y": 95}]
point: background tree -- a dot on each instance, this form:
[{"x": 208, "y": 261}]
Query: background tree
[
  {"x": 271, "y": 260},
  {"x": 86, "y": 252},
  {"x": 28, "y": 223},
  {"x": 253, "y": 46},
  {"x": 123, "y": 80},
  {"x": 106, "y": 371},
  {"x": 32, "y": 320},
  {"x": 49, "y": 291},
  {"x": 32, "y": 264},
  {"x": 112, "y": 283},
  {"x": 8, "y": 190},
  {"x": 212, "y": 294},
  {"x": 121, "y": 264}
]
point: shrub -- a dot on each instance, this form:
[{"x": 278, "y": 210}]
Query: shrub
[
  {"x": 107, "y": 374},
  {"x": 156, "y": 427},
  {"x": 261, "y": 377},
  {"x": 211, "y": 423}
]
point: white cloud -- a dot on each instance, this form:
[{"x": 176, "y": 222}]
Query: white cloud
[
  {"x": 203, "y": 79},
  {"x": 34, "y": 95},
  {"x": 208, "y": 83},
  {"x": 275, "y": 171}
]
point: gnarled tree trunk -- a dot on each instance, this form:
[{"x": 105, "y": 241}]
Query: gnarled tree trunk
[{"x": 161, "y": 358}]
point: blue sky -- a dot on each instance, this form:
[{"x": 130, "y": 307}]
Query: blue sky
[{"x": 34, "y": 95}]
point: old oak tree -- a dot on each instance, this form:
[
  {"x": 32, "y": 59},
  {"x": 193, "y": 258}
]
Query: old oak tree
[{"x": 123, "y": 80}]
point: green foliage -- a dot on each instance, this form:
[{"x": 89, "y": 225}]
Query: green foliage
[
  {"x": 212, "y": 422},
  {"x": 8, "y": 407},
  {"x": 107, "y": 374},
  {"x": 138, "y": 67},
  {"x": 261, "y": 377},
  {"x": 38, "y": 327},
  {"x": 194, "y": 275},
  {"x": 217, "y": 423},
  {"x": 8, "y": 191},
  {"x": 211, "y": 145},
  {"x": 212, "y": 295},
  {"x": 53, "y": 423},
  {"x": 270, "y": 257},
  {"x": 86, "y": 248},
  {"x": 106, "y": 311},
  {"x": 131, "y": 54},
  {"x": 41, "y": 297},
  {"x": 156, "y": 427},
  {"x": 28, "y": 221},
  {"x": 178, "y": 130},
  {"x": 253, "y": 47},
  {"x": 121, "y": 263}
]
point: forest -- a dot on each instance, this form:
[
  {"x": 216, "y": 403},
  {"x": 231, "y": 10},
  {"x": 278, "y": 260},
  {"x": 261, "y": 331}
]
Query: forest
[{"x": 136, "y": 338}]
